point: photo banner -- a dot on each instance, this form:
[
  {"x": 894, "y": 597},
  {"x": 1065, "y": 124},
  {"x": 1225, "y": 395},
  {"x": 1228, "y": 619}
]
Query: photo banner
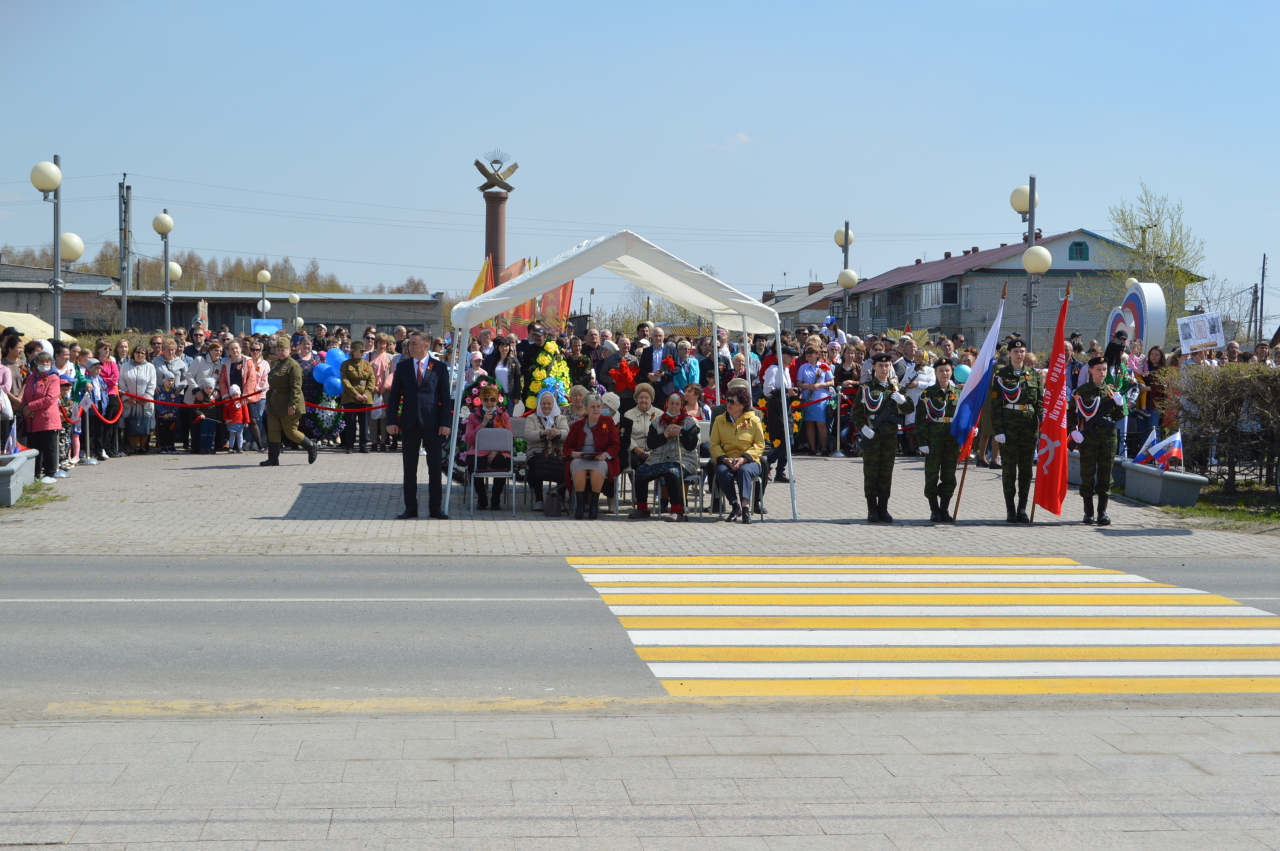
[{"x": 1201, "y": 331}]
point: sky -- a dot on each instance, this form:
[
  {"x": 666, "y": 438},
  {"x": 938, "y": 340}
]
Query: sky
[{"x": 740, "y": 135}]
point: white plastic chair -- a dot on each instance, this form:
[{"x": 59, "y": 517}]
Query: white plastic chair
[{"x": 491, "y": 440}]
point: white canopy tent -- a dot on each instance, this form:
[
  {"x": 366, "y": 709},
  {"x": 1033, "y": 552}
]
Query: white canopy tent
[{"x": 644, "y": 264}]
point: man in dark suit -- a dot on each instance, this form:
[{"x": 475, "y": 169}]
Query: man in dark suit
[
  {"x": 423, "y": 384},
  {"x": 651, "y": 363}
]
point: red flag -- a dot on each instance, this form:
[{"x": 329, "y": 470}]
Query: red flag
[
  {"x": 556, "y": 305},
  {"x": 1051, "y": 454},
  {"x": 484, "y": 283},
  {"x": 510, "y": 321},
  {"x": 906, "y": 328}
]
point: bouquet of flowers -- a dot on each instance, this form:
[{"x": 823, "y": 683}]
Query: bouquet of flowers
[
  {"x": 669, "y": 364},
  {"x": 624, "y": 377},
  {"x": 550, "y": 372}
]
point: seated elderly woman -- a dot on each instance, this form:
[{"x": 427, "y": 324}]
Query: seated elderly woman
[
  {"x": 545, "y": 432},
  {"x": 737, "y": 442},
  {"x": 487, "y": 415},
  {"x": 592, "y": 449},
  {"x": 673, "y": 454},
  {"x": 577, "y": 404}
]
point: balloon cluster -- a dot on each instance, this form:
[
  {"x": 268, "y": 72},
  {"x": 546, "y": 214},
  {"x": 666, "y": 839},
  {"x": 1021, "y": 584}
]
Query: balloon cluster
[{"x": 329, "y": 373}]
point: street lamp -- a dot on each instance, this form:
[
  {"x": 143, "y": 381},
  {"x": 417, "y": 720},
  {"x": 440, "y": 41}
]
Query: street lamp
[
  {"x": 294, "y": 298},
  {"x": 163, "y": 225},
  {"x": 263, "y": 278},
  {"x": 648, "y": 306},
  {"x": 47, "y": 177},
  {"x": 1024, "y": 200},
  {"x": 848, "y": 279}
]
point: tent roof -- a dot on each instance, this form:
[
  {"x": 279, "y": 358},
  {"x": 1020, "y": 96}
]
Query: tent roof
[
  {"x": 31, "y": 326},
  {"x": 639, "y": 261}
]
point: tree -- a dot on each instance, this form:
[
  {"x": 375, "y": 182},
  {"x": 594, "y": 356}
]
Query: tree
[
  {"x": 411, "y": 285},
  {"x": 1156, "y": 246}
]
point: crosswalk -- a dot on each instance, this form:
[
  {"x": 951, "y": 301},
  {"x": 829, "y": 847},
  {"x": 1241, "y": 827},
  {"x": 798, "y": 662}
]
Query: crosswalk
[{"x": 762, "y": 627}]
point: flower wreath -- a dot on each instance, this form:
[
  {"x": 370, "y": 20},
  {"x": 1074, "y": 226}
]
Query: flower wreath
[
  {"x": 624, "y": 377},
  {"x": 796, "y": 416},
  {"x": 323, "y": 425},
  {"x": 550, "y": 372},
  {"x": 471, "y": 395}
]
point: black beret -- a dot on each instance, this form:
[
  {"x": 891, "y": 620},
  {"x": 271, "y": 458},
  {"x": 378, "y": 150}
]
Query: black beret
[
  {"x": 1122, "y": 334},
  {"x": 881, "y": 357},
  {"x": 790, "y": 350},
  {"x": 1017, "y": 344},
  {"x": 951, "y": 362},
  {"x": 1097, "y": 362},
  {"x": 1075, "y": 335}
]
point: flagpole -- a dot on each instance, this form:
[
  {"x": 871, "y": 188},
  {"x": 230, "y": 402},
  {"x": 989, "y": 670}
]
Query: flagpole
[{"x": 964, "y": 471}]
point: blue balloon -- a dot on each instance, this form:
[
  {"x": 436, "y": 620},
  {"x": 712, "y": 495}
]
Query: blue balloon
[
  {"x": 962, "y": 373},
  {"x": 323, "y": 372},
  {"x": 333, "y": 386},
  {"x": 335, "y": 356}
]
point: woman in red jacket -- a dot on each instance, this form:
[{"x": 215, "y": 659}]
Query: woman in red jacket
[
  {"x": 40, "y": 409},
  {"x": 591, "y": 456}
]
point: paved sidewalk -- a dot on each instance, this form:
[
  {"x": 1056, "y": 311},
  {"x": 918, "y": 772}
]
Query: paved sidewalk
[
  {"x": 903, "y": 778},
  {"x": 347, "y": 504}
]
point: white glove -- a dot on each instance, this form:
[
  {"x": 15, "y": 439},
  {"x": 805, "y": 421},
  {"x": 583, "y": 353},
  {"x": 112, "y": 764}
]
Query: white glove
[
  {"x": 867, "y": 432},
  {"x": 999, "y": 438},
  {"x": 1077, "y": 436},
  {"x": 898, "y": 397},
  {"x": 1117, "y": 398},
  {"x": 924, "y": 450}
]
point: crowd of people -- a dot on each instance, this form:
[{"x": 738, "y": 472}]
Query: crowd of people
[{"x": 595, "y": 407}]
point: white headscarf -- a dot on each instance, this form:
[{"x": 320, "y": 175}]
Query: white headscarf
[{"x": 547, "y": 420}]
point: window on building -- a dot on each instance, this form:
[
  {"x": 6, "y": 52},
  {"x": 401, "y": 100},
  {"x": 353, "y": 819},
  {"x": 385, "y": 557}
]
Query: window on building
[
  {"x": 1062, "y": 295},
  {"x": 965, "y": 301},
  {"x": 950, "y": 292},
  {"x": 931, "y": 295},
  {"x": 1078, "y": 251}
]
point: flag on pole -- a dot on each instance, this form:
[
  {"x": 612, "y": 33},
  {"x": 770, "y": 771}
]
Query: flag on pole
[
  {"x": 964, "y": 425},
  {"x": 556, "y": 305},
  {"x": 11, "y": 439},
  {"x": 1163, "y": 452},
  {"x": 484, "y": 283},
  {"x": 1051, "y": 451},
  {"x": 510, "y": 321},
  {"x": 1151, "y": 440},
  {"x": 906, "y": 329}
]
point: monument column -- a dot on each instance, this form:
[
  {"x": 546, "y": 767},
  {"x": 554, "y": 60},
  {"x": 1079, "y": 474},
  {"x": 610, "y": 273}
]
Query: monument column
[{"x": 495, "y": 229}]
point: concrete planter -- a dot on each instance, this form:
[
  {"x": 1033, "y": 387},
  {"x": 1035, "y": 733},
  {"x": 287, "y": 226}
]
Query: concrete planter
[
  {"x": 16, "y": 472},
  {"x": 1119, "y": 476},
  {"x": 1162, "y": 487}
]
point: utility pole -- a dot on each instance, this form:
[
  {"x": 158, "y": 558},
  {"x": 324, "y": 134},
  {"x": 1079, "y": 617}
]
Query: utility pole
[
  {"x": 1031, "y": 241},
  {"x": 126, "y": 240},
  {"x": 1262, "y": 300}
]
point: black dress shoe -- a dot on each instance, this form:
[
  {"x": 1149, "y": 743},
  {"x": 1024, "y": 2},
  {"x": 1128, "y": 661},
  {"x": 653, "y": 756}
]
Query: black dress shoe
[
  {"x": 407, "y": 514},
  {"x": 439, "y": 515},
  {"x": 733, "y": 513}
]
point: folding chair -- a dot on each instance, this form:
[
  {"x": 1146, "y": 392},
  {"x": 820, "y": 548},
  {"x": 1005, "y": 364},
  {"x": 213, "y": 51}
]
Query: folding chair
[
  {"x": 718, "y": 500},
  {"x": 491, "y": 440},
  {"x": 519, "y": 431}
]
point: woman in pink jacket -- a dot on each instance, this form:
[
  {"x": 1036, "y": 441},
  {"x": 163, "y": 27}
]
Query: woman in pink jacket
[
  {"x": 110, "y": 374},
  {"x": 40, "y": 409},
  {"x": 384, "y": 345}
]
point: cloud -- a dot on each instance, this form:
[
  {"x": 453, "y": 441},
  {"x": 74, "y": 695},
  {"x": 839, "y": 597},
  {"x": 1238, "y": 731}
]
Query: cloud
[{"x": 735, "y": 141}]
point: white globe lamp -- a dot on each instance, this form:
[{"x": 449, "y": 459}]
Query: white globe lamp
[
  {"x": 162, "y": 224},
  {"x": 72, "y": 247},
  {"x": 46, "y": 177},
  {"x": 847, "y": 279},
  {"x": 175, "y": 271},
  {"x": 1019, "y": 199},
  {"x": 1037, "y": 260}
]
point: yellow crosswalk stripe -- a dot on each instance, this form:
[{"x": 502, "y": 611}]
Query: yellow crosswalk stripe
[{"x": 904, "y": 626}]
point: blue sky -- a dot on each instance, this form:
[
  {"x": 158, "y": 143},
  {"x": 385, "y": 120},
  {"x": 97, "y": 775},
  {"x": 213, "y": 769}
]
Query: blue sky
[{"x": 739, "y": 135}]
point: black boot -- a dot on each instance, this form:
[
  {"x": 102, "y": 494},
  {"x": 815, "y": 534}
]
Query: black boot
[
  {"x": 593, "y": 505},
  {"x": 943, "y": 503},
  {"x": 882, "y": 508},
  {"x": 873, "y": 511},
  {"x": 934, "y": 511},
  {"x": 1103, "y": 519},
  {"x": 1011, "y": 513},
  {"x": 313, "y": 451},
  {"x": 1022, "y": 509},
  {"x": 482, "y": 496},
  {"x": 579, "y": 504},
  {"x": 273, "y": 456},
  {"x": 1088, "y": 511}
]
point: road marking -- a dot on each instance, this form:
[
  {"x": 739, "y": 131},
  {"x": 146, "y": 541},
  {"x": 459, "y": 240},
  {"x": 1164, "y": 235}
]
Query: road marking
[
  {"x": 15, "y": 600},
  {"x": 850, "y": 560},
  {"x": 914, "y": 626},
  {"x": 973, "y": 637}
]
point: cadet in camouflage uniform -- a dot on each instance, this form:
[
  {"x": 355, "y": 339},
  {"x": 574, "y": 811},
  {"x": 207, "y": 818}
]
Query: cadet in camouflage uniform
[
  {"x": 1016, "y": 396},
  {"x": 940, "y": 449},
  {"x": 1095, "y": 409},
  {"x": 878, "y": 410}
]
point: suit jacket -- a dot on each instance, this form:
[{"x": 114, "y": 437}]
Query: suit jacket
[{"x": 426, "y": 408}]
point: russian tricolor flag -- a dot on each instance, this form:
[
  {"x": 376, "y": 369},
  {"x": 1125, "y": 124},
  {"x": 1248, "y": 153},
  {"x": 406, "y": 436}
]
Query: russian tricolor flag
[
  {"x": 964, "y": 425},
  {"x": 1161, "y": 453}
]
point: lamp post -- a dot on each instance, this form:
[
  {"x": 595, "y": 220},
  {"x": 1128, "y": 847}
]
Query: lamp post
[
  {"x": 47, "y": 177},
  {"x": 847, "y": 279},
  {"x": 294, "y": 298},
  {"x": 264, "y": 277},
  {"x": 1024, "y": 201},
  {"x": 163, "y": 225},
  {"x": 648, "y": 306}
]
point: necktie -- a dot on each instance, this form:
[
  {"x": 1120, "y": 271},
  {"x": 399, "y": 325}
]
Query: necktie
[{"x": 420, "y": 373}]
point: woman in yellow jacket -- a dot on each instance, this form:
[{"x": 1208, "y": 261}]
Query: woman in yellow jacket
[{"x": 737, "y": 442}]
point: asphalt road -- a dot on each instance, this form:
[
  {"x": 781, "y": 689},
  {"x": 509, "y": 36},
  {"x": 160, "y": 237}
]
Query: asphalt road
[{"x": 288, "y": 627}]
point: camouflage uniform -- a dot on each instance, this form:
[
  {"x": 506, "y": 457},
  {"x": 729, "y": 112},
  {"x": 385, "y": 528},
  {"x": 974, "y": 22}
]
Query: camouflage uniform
[
  {"x": 874, "y": 408},
  {"x": 1016, "y": 399},
  {"x": 933, "y": 429},
  {"x": 1094, "y": 414}
]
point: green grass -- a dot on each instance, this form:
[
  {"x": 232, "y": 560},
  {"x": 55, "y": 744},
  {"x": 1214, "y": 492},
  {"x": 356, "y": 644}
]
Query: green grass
[
  {"x": 1252, "y": 502},
  {"x": 36, "y": 495}
]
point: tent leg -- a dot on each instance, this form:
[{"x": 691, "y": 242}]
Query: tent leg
[
  {"x": 715, "y": 356},
  {"x": 786, "y": 422},
  {"x": 451, "y": 440}
]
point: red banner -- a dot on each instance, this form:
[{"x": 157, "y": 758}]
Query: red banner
[
  {"x": 484, "y": 283},
  {"x": 556, "y": 305},
  {"x": 516, "y": 320},
  {"x": 1051, "y": 453}
]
